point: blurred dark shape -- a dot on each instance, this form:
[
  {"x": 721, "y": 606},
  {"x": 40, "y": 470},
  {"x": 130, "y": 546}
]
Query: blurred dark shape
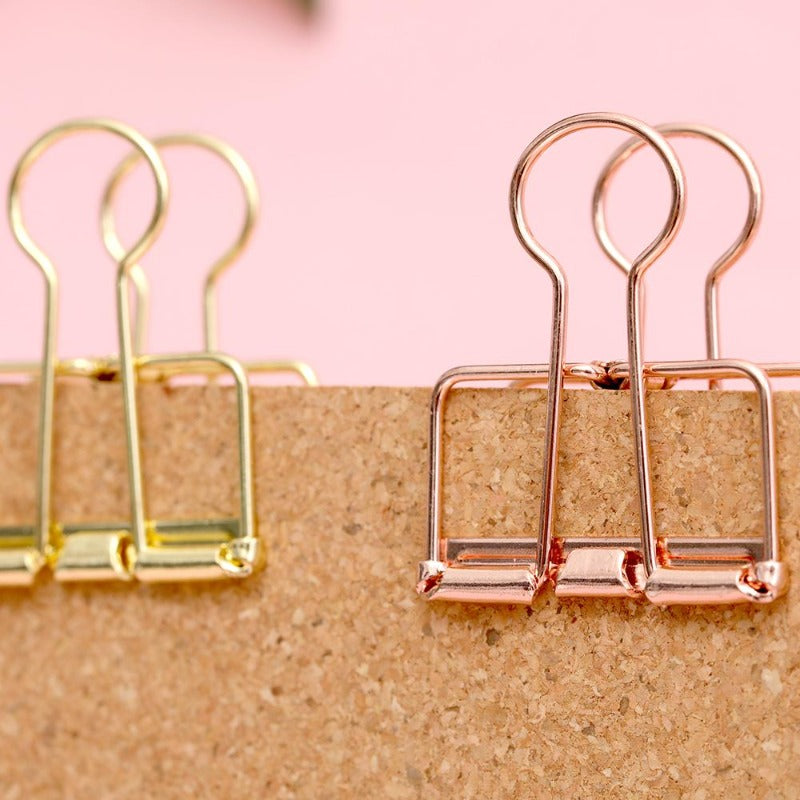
[{"x": 307, "y": 7}]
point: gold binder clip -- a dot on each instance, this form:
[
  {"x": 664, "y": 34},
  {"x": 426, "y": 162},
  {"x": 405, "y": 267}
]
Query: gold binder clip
[
  {"x": 210, "y": 316},
  {"x": 193, "y": 549},
  {"x": 705, "y": 570},
  {"x": 77, "y": 551},
  {"x": 512, "y": 570}
]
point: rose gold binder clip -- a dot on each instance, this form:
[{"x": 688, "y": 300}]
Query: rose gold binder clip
[
  {"x": 711, "y": 570},
  {"x": 512, "y": 570},
  {"x": 670, "y": 570}
]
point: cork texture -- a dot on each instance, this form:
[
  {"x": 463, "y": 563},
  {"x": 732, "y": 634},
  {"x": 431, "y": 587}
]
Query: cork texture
[{"x": 324, "y": 676}]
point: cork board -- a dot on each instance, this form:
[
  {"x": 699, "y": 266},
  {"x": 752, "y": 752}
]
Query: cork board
[{"x": 324, "y": 675}]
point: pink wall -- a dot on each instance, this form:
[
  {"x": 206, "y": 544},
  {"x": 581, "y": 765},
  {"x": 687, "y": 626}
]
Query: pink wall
[{"x": 384, "y": 135}]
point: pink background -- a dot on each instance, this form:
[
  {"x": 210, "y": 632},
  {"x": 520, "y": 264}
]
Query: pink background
[{"x": 383, "y": 135}]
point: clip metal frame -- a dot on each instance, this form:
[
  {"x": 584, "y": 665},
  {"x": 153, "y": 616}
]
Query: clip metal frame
[
  {"x": 493, "y": 577},
  {"x": 187, "y": 550}
]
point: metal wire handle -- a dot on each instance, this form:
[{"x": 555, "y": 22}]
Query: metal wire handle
[
  {"x": 731, "y": 255},
  {"x": 558, "y": 278},
  {"x": 125, "y": 260},
  {"x": 114, "y": 246}
]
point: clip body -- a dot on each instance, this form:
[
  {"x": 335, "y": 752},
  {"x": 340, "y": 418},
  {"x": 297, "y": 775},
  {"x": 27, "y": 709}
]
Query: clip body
[
  {"x": 183, "y": 550},
  {"x": 711, "y": 577}
]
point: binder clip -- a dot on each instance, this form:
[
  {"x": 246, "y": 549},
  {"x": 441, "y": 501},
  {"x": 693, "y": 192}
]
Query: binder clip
[
  {"x": 697, "y": 571},
  {"x": 244, "y": 174},
  {"x": 76, "y": 551},
  {"x": 671, "y": 570},
  {"x": 193, "y": 549},
  {"x": 149, "y": 550},
  {"x": 512, "y": 570}
]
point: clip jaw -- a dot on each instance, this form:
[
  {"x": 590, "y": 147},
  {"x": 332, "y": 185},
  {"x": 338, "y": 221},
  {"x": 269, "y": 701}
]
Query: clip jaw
[
  {"x": 196, "y": 551},
  {"x": 760, "y": 582},
  {"x": 711, "y": 576},
  {"x": 477, "y": 584},
  {"x": 482, "y": 570},
  {"x": 192, "y": 550}
]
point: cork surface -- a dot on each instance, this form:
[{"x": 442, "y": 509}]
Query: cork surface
[{"x": 325, "y": 677}]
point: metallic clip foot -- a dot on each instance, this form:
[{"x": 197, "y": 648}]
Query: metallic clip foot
[
  {"x": 762, "y": 582},
  {"x": 600, "y": 572},
  {"x": 196, "y": 551},
  {"x": 471, "y": 584},
  {"x": 94, "y": 553},
  {"x": 20, "y": 558}
]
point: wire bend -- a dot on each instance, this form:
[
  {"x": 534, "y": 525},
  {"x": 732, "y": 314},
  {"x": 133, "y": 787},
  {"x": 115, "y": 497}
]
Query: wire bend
[
  {"x": 247, "y": 182},
  {"x": 736, "y": 249},
  {"x": 114, "y": 246}
]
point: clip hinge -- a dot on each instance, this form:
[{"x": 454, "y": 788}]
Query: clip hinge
[{"x": 94, "y": 552}]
